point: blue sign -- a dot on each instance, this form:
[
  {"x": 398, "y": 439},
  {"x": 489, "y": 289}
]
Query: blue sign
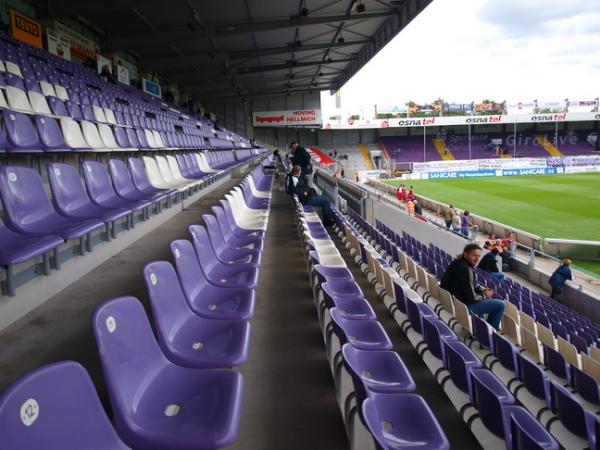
[
  {"x": 462, "y": 174},
  {"x": 530, "y": 171},
  {"x": 152, "y": 88}
]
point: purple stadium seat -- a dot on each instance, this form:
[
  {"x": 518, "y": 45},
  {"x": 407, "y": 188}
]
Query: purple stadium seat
[
  {"x": 489, "y": 395},
  {"x": 570, "y": 411},
  {"x": 141, "y": 182},
  {"x": 16, "y": 248},
  {"x": 555, "y": 361},
  {"x": 28, "y": 210},
  {"x": 188, "y": 339},
  {"x": 459, "y": 360},
  {"x": 123, "y": 183},
  {"x": 361, "y": 334},
  {"x": 71, "y": 199},
  {"x": 505, "y": 351},
  {"x": 434, "y": 331},
  {"x": 204, "y": 298},
  {"x": 232, "y": 239},
  {"x": 51, "y": 138},
  {"x": 401, "y": 421},
  {"x": 20, "y": 133},
  {"x": 156, "y": 404},
  {"x": 238, "y": 257},
  {"x": 416, "y": 311},
  {"x": 382, "y": 372},
  {"x": 218, "y": 273},
  {"x": 54, "y": 408},
  {"x": 534, "y": 378},
  {"x": 57, "y": 106},
  {"x": 101, "y": 190},
  {"x": 585, "y": 385}
]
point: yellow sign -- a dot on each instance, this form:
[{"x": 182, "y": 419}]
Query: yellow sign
[{"x": 26, "y": 29}]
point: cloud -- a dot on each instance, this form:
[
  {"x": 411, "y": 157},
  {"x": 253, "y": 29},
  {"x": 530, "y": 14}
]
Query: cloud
[{"x": 465, "y": 50}]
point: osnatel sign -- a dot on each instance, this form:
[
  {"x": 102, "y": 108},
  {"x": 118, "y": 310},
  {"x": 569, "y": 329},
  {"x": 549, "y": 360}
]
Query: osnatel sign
[
  {"x": 293, "y": 118},
  {"x": 26, "y": 29}
]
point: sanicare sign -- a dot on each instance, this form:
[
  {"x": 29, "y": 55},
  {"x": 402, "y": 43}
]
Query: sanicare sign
[{"x": 292, "y": 118}]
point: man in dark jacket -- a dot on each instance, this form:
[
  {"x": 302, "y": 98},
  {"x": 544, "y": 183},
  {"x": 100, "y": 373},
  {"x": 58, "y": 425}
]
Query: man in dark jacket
[
  {"x": 459, "y": 280},
  {"x": 489, "y": 264},
  {"x": 307, "y": 195},
  {"x": 300, "y": 157}
]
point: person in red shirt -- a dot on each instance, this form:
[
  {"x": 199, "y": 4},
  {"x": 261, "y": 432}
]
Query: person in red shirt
[
  {"x": 411, "y": 194},
  {"x": 399, "y": 194},
  {"x": 403, "y": 193}
]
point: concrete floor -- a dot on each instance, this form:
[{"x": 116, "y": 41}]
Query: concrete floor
[{"x": 289, "y": 399}]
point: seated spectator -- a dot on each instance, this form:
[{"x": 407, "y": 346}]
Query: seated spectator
[
  {"x": 560, "y": 277},
  {"x": 509, "y": 239},
  {"x": 459, "y": 280},
  {"x": 418, "y": 208},
  {"x": 490, "y": 241},
  {"x": 507, "y": 260},
  {"x": 307, "y": 195},
  {"x": 410, "y": 208},
  {"x": 489, "y": 264}
]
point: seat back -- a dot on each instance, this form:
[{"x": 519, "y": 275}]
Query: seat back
[
  {"x": 530, "y": 343},
  {"x": 486, "y": 393},
  {"x": 533, "y": 376},
  {"x": 458, "y": 359},
  {"x": 23, "y": 197},
  {"x": 138, "y": 174},
  {"x": 97, "y": 181},
  {"x": 108, "y": 138},
  {"x": 482, "y": 331},
  {"x": 128, "y": 352},
  {"x": 49, "y": 133},
  {"x": 555, "y": 362},
  {"x": 191, "y": 275},
  {"x": 527, "y": 433},
  {"x": 68, "y": 191},
  {"x": 204, "y": 250},
  {"x": 505, "y": 351},
  {"x": 568, "y": 409},
  {"x": 19, "y": 131},
  {"x": 462, "y": 314},
  {"x": 55, "y": 407},
  {"x": 510, "y": 328},
  {"x": 585, "y": 385},
  {"x": 121, "y": 177},
  {"x": 165, "y": 170},
  {"x": 154, "y": 175},
  {"x": 591, "y": 367},
  {"x": 546, "y": 336},
  {"x": 166, "y": 297},
  {"x": 569, "y": 351},
  {"x": 72, "y": 133}
]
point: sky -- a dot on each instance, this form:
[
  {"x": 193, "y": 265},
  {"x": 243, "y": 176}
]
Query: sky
[{"x": 468, "y": 50}]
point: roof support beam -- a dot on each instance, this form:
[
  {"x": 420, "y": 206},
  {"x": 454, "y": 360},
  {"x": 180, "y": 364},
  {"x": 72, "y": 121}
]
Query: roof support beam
[
  {"x": 190, "y": 60},
  {"x": 218, "y": 30}
]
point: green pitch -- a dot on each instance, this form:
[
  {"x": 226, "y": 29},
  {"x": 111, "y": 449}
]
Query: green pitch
[{"x": 551, "y": 206}]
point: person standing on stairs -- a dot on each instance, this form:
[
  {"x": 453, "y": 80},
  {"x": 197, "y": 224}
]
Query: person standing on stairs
[{"x": 300, "y": 157}]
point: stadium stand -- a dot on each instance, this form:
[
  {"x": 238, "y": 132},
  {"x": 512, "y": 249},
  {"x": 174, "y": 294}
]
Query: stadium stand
[
  {"x": 404, "y": 272},
  {"x": 407, "y": 149},
  {"x": 160, "y": 290}
]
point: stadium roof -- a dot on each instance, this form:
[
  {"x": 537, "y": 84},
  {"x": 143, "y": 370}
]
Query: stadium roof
[{"x": 231, "y": 48}]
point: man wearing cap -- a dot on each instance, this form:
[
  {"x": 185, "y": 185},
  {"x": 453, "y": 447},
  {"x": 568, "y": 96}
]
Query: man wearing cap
[{"x": 302, "y": 158}]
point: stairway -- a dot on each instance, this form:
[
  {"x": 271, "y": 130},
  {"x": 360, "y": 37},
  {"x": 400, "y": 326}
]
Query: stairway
[
  {"x": 440, "y": 146},
  {"x": 366, "y": 156},
  {"x": 548, "y": 146}
]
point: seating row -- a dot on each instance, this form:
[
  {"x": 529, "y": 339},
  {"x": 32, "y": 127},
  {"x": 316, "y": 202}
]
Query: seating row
[
  {"x": 517, "y": 378},
  {"x": 178, "y": 393},
  {"x": 550, "y": 332},
  {"x": 34, "y": 226},
  {"x": 35, "y": 81},
  {"x": 375, "y": 391}
]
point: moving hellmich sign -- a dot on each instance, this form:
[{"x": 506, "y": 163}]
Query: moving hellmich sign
[{"x": 292, "y": 118}]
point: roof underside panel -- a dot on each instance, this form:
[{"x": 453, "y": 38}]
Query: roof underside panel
[{"x": 246, "y": 48}]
